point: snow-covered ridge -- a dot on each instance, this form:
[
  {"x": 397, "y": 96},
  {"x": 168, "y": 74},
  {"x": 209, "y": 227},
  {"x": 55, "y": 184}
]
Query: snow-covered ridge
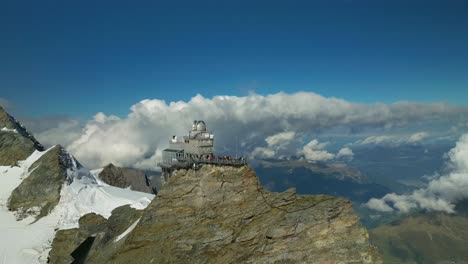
[{"x": 29, "y": 241}]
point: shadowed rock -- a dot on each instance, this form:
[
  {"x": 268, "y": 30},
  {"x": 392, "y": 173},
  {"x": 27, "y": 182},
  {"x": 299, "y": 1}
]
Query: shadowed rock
[
  {"x": 134, "y": 179},
  {"x": 16, "y": 143},
  {"x": 104, "y": 231}
]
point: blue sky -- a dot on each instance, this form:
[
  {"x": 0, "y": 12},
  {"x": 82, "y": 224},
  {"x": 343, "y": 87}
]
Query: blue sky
[{"x": 78, "y": 58}]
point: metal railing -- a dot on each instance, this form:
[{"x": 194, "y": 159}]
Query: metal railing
[{"x": 190, "y": 162}]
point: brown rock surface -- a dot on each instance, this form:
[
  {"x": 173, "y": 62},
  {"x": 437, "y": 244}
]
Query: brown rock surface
[
  {"x": 92, "y": 225},
  {"x": 16, "y": 143},
  {"x": 126, "y": 177},
  {"x": 222, "y": 215}
]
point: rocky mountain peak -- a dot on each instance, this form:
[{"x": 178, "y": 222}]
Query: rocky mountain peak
[
  {"x": 9, "y": 123},
  {"x": 16, "y": 142},
  {"x": 134, "y": 179},
  {"x": 39, "y": 192},
  {"x": 220, "y": 214}
]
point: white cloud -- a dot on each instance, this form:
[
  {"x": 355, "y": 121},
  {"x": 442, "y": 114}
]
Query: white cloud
[
  {"x": 441, "y": 194},
  {"x": 418, "y": 137},
  {"x": 376, "y": 140},
  {"x": 64, "y": 133},
  {"x": 314, "y": 151},
  {"x": 392, "y": 139},
  {"x": 379, "y": 205},
  {"x": 263, "y": 153},
  {"x": 345, "y": 153},
  {"x": 137, "y": 139},
  {"x": 54, "y": 130},
  {"x": 280, "y": 138},
  {"x": 275, "y": 144}
]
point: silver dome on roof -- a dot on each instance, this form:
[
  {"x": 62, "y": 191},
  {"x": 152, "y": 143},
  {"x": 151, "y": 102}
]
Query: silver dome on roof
[{"x": 201, "y": 126}]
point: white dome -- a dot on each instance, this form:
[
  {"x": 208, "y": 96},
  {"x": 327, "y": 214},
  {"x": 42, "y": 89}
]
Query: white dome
[{"x": 201, "y": 126}]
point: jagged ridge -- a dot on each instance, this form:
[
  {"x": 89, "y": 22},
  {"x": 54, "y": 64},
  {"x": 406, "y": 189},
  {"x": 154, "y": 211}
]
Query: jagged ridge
[
  {"x": 39, "y": 193},
  {"x": 135, "y": 179},
  {"x": 222, "y": 215},
  {"x": 16, "y": 142}
]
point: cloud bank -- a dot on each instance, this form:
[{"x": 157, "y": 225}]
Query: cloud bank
[
  {"x": 252, "y": 122},
  {"x": 315, "y": 151},
  {"x": 275, "y": 145},
  {"x": 54, "y": 130},
  {"x": 392, "y": 139},
  {"x": 441, "y": 194},
  {"x": 345, "y": 153}
]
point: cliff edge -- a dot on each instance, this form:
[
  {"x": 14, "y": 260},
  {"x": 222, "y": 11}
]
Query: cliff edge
[{"x": 222, "y": 215}]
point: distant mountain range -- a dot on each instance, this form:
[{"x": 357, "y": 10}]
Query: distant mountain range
[
  {"x": 336, "y": 179},
  {"x": 400, "y": 168},
  {"x": 423, "y": 238}
]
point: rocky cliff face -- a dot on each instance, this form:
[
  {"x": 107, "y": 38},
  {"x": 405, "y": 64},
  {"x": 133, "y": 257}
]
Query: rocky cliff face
[
  {"x": 134, "y": 179},
  {"x": 16, "y": 143},
  {"x": 222, "y": 215},
  {"x": 39, "y": 193},
  {"x": 103, "y": 231}
]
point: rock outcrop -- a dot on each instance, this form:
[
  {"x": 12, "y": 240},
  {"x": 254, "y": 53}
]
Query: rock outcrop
[
  {"x": 135, "y": 179},
  {"x": 39, "y": 193},
  {"x": 16, "y": 143},
  {"x": 222, "y": 215},
  {"x": 103, "y": 231}
]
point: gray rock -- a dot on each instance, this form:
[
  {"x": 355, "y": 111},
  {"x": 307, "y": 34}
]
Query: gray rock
[
  {"x": 39, "y": 193},
  {"x": 136, "y": 179},
  {"x": 16, "y": 143},
  {"x": 104, "y": 230},
  {"x": 222, "y": 215}
]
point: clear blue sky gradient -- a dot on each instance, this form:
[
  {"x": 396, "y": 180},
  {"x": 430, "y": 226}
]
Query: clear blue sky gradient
[{"x": 81, "y": 57}]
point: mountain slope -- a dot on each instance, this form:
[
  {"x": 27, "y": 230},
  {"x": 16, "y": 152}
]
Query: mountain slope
[
  {"x": 16, "y": 143},
  {"x": 92, "y": 225},
  {"x": 45, "y": 191},
  {"x": 135, "y": 179},
  {"x": 425, "y": 238},
  {"x": 30, "y": 239},
  {"x": 39, "y": 193},
  {"x": 223, "y": 215}
]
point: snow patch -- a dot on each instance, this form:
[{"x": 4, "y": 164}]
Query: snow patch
[
  {"x": 13, "y": 175},
  {"x": 95, "y": 173},
  {"x": 130, "y": 229},
  {"x": 81, "y": 197},
  {"x": 8, "y": 130},
  {"x": 29, "y": 241}
]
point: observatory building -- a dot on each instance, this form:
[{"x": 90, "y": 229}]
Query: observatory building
[
  {"x": 197, "y": 145},
  {"x": 193, "y": 150}
]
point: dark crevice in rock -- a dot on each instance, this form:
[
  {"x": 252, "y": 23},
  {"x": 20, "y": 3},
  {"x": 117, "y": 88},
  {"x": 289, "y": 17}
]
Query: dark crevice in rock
[{"x": 81, "y": 252}]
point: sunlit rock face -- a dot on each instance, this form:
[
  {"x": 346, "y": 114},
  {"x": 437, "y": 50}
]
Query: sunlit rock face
[
  {"x": 222, "y": 215},
  {"x": 39, "y": 193}
]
